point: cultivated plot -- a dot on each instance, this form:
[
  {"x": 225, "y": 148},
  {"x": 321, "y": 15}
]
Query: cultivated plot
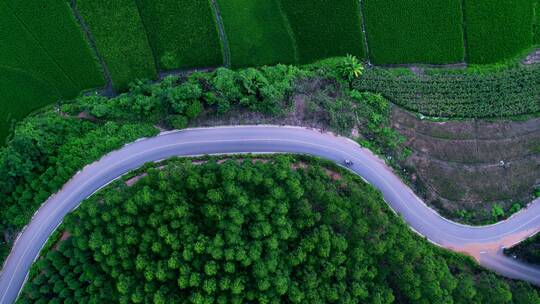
[
  {"x": 21, "y": 94},
  {"x": 20, "y": 50},
  {"x": 53, "y": 26},
  {"x": 182, "y": 33},
  {"x": 324, "y": 28},
  {"x": 29, "y": 77},
  {"x": 414, "y": 31},
  {"x": 497, "y": 30},
  {"x": 120, "y": 37},
  {"x": 257, "y": 32},
  {"x": 536, "y": 25}
]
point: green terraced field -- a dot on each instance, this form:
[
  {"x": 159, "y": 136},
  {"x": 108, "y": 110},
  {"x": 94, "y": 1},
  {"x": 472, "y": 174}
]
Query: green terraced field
[
  {"x": 21, "y": 94},
  {"x": 536, "y": 26},
  {"x": 42, "y": 39},
  {"x": 44, "y": 57},
  {"x": 121, "y": 39},
  {"x": 52, "y": 24},
  {"x": 497, "y": 29},
  {"x": 257, "y": 32},
  {"x": 182, "y": 33},
  {"x": 20, "y": 50},
  {"x": 325, "y": 28},
  {"x": 414, "y": 31}
]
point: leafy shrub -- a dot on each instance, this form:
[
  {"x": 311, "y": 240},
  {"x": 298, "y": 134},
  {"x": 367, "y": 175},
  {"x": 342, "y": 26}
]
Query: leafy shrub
[
  {"x": 260, "y": 90},
  {"x": 497, "y": 211},
  {"x": 350, "y": 68}
]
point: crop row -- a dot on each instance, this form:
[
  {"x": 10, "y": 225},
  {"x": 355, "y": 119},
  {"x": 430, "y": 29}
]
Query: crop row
[
  {"x": 121, "y": 39},
  {"x": 536, "y": 22},
  {"x": 497, "y": 30},
  {"x": 257, "y": 32},
  {"x": 43, "y": 57},
  {"x": 413, "y": 31},
  {"x": 511, "y": 92},
  {"x": 324, "y": 28},
  {"x": 54, "y": 27},
  {"x": 182, "y": 33}
]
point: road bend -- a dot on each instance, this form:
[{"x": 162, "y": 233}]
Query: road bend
[{"x": 484, "y": 243}]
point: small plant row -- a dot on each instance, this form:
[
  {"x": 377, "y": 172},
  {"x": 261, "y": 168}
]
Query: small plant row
[{"x": 510, "y": 92}]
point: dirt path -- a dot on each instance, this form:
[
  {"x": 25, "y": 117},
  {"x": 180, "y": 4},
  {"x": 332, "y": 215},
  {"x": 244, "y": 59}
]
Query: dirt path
[
  {"x": 222, "y": 35},
  {"x": 108, "y": 90},
  {"x": 366, "y": 44}
]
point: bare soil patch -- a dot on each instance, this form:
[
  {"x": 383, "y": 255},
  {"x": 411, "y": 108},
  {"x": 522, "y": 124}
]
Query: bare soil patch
[
  {"x": 64, "y": 236},
  {"x": 471, "y": 165},
  {"x": 130, "y": 182}
]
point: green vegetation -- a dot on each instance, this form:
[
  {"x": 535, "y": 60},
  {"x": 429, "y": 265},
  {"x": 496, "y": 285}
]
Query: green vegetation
[
  {"x": 325, "y": 28},
  {"x": 414, "y": 31},
  {"x": 528, "y": 250},
  {"x": 350, "y": 69},
  {"x": 30, "y": 95},
  {"x": 497, "y": 212},
  {"x": 459, "y": 94},
  {"x": 21, "y": 51},
  {"x": 497, "y": 30},
  {"x": 120, "y": 38},
  {"x": 44, "y": 57},
  {"x": 277, "y": 231},
  {"x": 53, "y": 26},
  {"x": 257, "y": 32},
  {"x": 536, "y": 22},
  {"x": 182, "y": 33},
  {"x": 137, "y": 37},
  {"x": 48, "y": 148}
]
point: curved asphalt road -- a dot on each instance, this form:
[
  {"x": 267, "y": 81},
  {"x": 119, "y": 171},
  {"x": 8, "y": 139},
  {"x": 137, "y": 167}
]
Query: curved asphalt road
[{"x": 483, "y": 243}]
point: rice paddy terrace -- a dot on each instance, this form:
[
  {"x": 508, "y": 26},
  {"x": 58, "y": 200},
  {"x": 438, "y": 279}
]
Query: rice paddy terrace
[{"x": 57, "y": 49}]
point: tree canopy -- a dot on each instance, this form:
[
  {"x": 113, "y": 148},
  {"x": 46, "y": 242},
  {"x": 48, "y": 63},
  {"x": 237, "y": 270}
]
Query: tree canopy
[{"x": 272, "y": 230}]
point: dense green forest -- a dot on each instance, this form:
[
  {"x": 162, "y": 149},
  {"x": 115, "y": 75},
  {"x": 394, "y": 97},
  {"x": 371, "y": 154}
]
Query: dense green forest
[{"x": 264, "y": 230}]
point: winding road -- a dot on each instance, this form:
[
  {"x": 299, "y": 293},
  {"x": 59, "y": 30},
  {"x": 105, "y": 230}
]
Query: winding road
[{"x": 483, "y": 243}]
